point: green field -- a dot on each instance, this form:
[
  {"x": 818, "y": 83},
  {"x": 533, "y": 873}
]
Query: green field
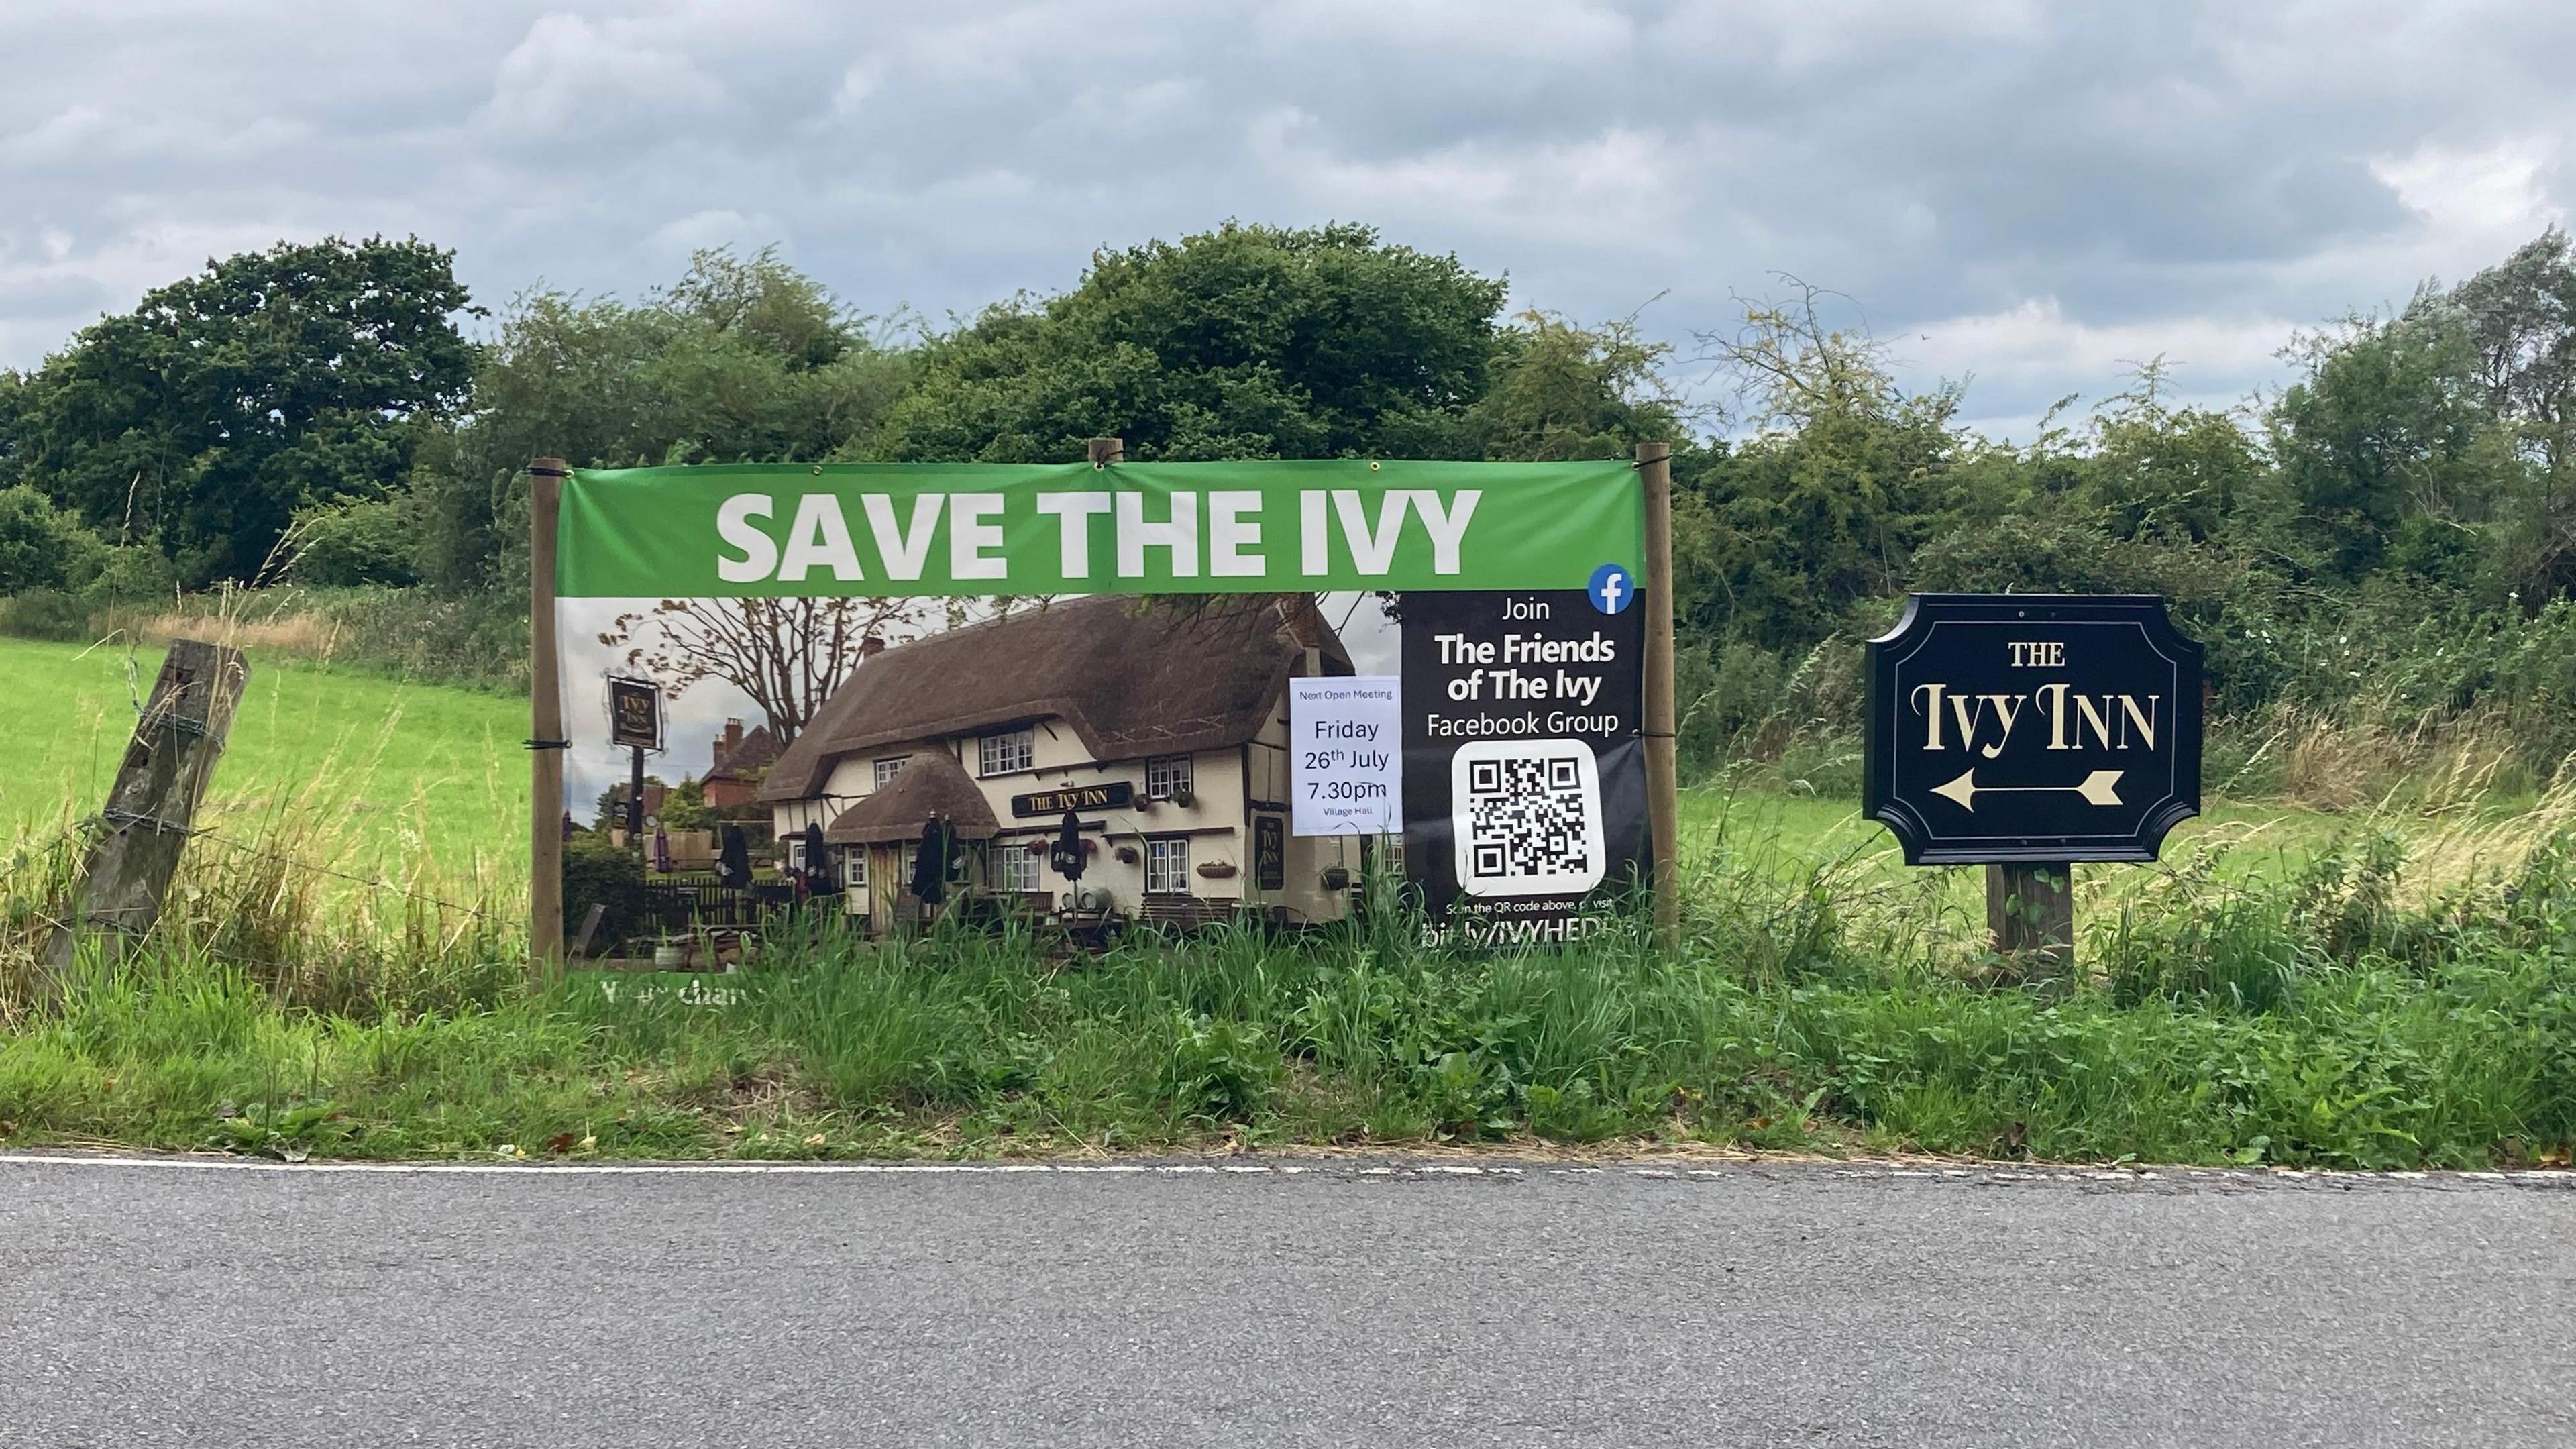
[{"x": 367, "y": 774}]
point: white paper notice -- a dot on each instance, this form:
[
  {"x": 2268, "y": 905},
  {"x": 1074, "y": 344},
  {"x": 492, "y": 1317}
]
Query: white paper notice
[{"x": 1346, "y": 754}]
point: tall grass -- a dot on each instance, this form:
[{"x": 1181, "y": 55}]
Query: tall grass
[{"x": 2386, "y": 1001}]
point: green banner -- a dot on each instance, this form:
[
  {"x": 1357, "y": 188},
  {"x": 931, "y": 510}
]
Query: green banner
[{"x": 899, "y": 529}]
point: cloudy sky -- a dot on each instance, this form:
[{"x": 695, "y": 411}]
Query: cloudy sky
[{"x": 2027, "y": 194}]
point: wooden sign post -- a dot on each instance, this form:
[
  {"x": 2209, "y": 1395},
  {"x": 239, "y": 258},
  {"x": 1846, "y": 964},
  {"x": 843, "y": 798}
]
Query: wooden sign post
[
  {"x": 151, "y": 807},
  {"x": 546, "y": 742},
  {"x": 2026, "y": 732},
  {"x": 1663, "y": 775}
]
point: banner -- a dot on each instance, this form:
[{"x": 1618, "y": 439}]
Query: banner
[{"x": 909, "y": 530}]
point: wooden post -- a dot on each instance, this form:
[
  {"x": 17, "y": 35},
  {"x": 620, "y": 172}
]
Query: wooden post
[
  {"x": 546, "y": 743},
  {"x": 1105, "y": 451},
  {"x": 153, "y": 802},
  {"x": 1663, "y": 779},
  {"x": 2030, "y": 909},
  {"x": 635, "y": 804}
]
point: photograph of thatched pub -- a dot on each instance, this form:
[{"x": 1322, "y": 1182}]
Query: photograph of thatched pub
[{"x": 1160, "y": 727}]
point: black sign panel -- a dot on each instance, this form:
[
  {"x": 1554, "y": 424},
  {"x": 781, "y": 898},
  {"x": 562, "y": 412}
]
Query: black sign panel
[
  {"x": 1107, "y": 795},
  {"x": 2032, "y": 727},
  {"x": 635, "y": 713},
  {"x": 1524, "y": 772},
  {"x": 1269, "y": 852}
]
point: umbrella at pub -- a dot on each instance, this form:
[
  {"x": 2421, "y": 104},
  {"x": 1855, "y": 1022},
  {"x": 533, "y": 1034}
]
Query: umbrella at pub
[
  {"x": 1066, "y": 854},
  {"x": 733, "y": 862},
  {"x": 661, "y": 851},
  {"x": 818, "y": 865},
  {"x": 930, "y": 862}
]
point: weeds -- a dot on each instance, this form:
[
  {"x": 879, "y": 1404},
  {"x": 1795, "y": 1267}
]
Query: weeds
[{"x": 2383, "y": 1002}]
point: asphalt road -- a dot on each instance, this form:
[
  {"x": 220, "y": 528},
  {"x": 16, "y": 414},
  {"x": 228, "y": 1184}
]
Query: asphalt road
[{"x": 145, "y": 1305}]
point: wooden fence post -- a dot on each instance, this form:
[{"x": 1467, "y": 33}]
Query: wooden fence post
[
  {"x": 1663, "y": 776},
  {"x": 2030, "y": 909},
  {"x": 546, "y": 743},
  {"x": 152, "y": 804}
]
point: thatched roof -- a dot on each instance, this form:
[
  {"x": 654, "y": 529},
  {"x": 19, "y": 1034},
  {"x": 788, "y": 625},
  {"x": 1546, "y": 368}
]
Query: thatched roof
[
  {"x": 930, "y": 783},
  {"x": 1131, "y": 677}
]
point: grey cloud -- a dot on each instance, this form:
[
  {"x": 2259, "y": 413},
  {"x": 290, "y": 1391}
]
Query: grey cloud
[{"x": 2029, "y": 179}]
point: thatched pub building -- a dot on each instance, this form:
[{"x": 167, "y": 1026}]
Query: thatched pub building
[{"x": 1163, "y": 727}]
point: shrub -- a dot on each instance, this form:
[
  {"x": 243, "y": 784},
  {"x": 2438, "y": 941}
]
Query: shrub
[
  {"x": 596, "y": 872},
  {"x": 45, "y": 614},
  {"x": 366, "y": 542},
  {"x": 43, "y": 547}
]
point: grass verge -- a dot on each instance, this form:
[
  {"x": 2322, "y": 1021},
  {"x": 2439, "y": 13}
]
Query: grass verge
[{"x": 2387, "y": 1001}]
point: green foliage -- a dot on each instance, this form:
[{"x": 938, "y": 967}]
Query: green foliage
[
  {"x": 1244, "y": 342},
  {"x": 45, "y": 614},
  {"x": 56, "y": 575},
  {"x": 596, "y": 872},
  {"x": 1824, "y": 506},
  {"x": 42, "y": 546},
  {"x": 272, "y": 381},
  {"x": 2386, "y": 424},
  {"x": 1217, "y": 1071},
  {"x": 685, "y": 807},
  {"x": 365, "y": 541},
  {"x": 743, "y": 359}
]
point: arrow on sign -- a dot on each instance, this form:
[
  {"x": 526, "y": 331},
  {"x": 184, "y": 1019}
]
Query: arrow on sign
[{"x": 2096, "y": 789}]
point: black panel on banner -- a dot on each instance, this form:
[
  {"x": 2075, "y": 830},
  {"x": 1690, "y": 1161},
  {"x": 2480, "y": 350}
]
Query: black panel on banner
[
  {"x": 1524, "y": 773},
  {"x": 2032, "y": 727}
]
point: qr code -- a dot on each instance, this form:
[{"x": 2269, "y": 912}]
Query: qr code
[{"x": 1526, "y": 815}]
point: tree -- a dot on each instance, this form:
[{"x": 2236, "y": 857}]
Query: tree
[
  {"x": 1823, "y": 506},
  {"x": 2166, "y": 472},
  {"x": 221, "y": 404},
  {"x": 1244, "y": 342},
  {"x": 2521, "y": 319},
  {"x": 789, "y": 655},
  {"x": 744, "y": 359},
  {"x": 2387, "y": 422}
]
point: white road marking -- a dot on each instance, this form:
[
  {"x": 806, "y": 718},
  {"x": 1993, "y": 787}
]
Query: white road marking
[{"x": 539, "y": 1167}]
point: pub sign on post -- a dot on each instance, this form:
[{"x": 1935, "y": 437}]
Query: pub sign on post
[
  {"x": 634, "y": 713},
  {"x": 2032, "y": 728}
]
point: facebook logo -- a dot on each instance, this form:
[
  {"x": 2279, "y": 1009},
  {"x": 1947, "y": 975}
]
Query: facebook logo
[{"x": 1612, "y": 588}]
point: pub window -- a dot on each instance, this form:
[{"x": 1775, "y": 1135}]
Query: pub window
[
  {"x": 1167, "y": 866},
  {"x": 1006, "y": 752},
  {"x": 888, "y": 768},
  {"x": 857, "y": 868},
  {"x": 1167, "y": 776},
  {"x": 1015, "y": 868}
]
